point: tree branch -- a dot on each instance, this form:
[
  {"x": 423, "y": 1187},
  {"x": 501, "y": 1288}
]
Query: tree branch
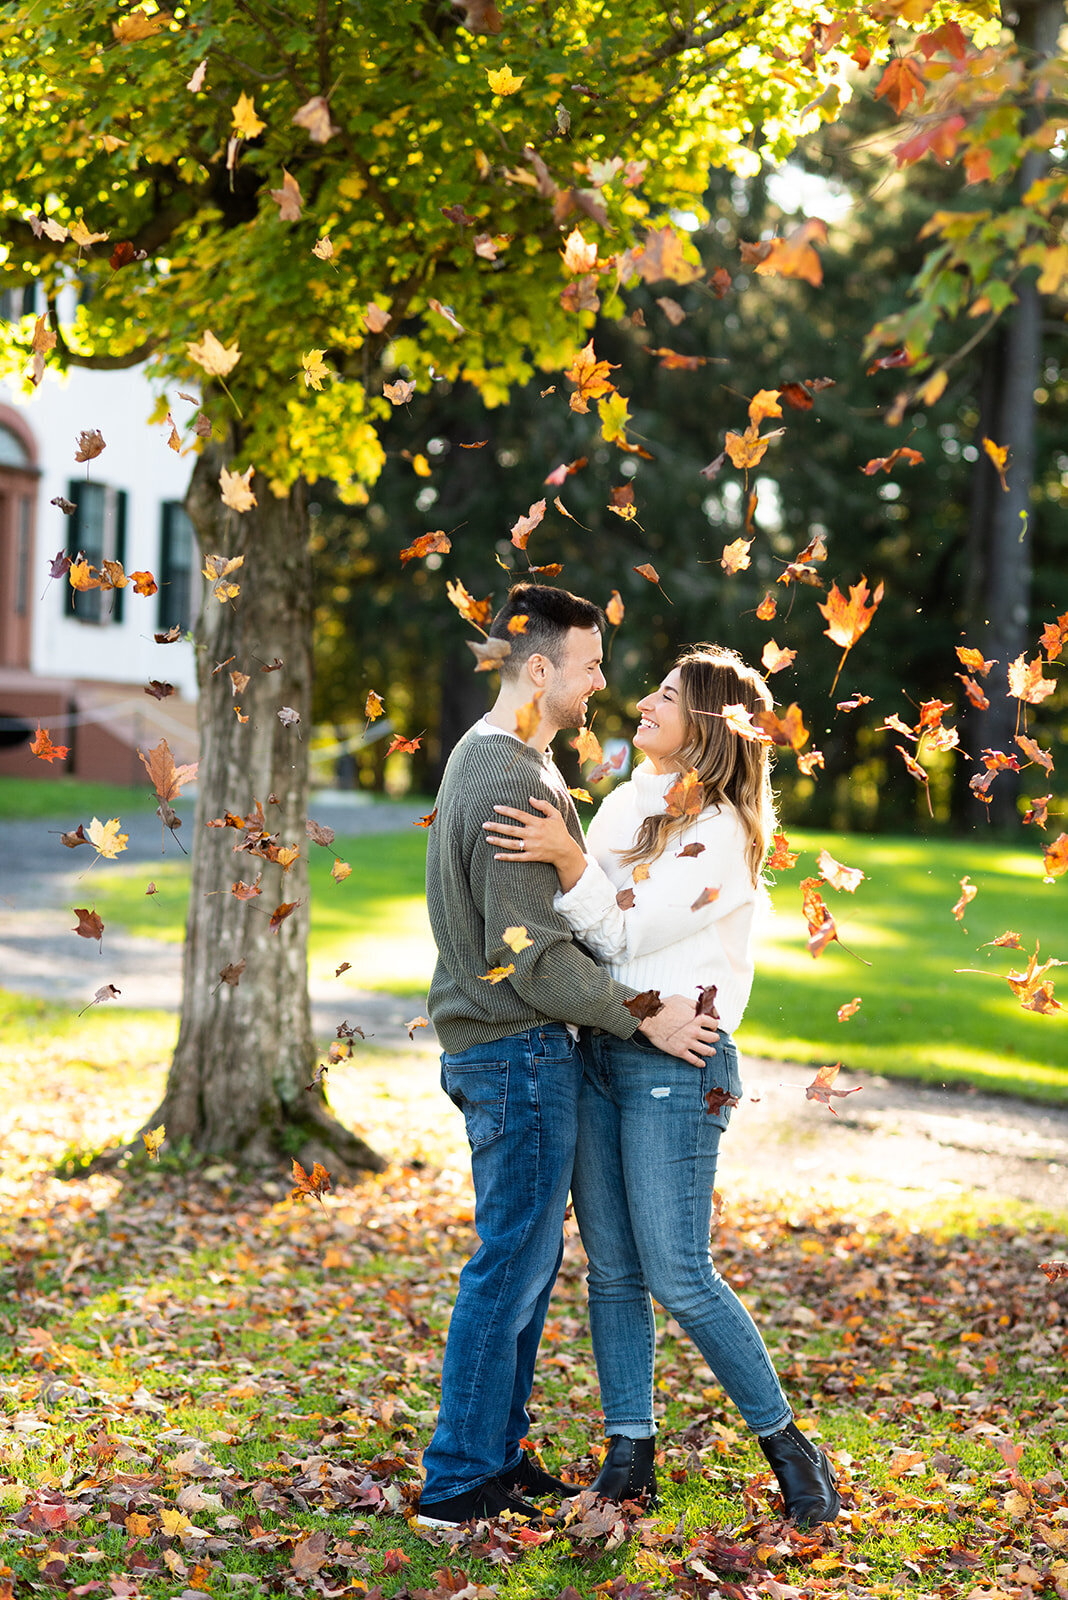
[
  {"x": 74, "y": 358},
  {"x": 297, "y": 79},
  {"x": 688, "y": 40}
]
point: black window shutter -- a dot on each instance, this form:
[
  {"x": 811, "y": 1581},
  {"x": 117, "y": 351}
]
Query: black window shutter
[
  {"x": 74, "y": 530},
  {"x": 120, "y": 547}
]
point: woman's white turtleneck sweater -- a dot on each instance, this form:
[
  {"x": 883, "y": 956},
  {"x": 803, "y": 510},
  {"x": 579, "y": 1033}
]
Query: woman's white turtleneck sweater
[{"x": 662, "y": 942}]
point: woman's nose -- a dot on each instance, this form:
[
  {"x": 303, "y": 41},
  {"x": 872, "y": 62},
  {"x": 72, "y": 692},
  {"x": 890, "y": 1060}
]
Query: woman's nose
[{"x": 646, "y": 704}]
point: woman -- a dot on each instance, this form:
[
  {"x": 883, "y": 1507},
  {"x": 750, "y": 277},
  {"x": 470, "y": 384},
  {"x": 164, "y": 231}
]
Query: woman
[{"x": 666, "y": 897}]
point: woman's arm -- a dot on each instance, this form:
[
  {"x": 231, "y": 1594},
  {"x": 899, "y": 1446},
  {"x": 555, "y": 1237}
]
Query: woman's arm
[
  {"x": 541, "y": 837},
  {"x": 682, "y": 896}
]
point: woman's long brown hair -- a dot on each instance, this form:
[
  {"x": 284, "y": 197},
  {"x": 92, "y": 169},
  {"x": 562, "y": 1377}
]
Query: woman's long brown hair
[{"x": 729, "y": 767}]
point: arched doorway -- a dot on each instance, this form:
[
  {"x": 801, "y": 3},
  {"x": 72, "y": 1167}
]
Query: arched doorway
[{"x": 19, "y": 475}]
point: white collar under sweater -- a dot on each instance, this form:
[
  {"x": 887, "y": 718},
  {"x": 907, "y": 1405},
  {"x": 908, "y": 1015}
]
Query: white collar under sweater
[{"x": 676, "y": 936}]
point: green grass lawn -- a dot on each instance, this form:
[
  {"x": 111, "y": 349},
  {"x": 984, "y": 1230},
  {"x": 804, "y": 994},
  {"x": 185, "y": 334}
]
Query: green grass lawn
[
  {"x": 919, "y": 1017},
  {"x": 24, "y": 799}
]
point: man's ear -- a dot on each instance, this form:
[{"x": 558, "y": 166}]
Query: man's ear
[{"x": 537, "y": 667}]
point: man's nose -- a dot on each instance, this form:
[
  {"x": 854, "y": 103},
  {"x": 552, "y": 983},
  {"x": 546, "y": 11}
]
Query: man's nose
[{"x": 600, "y": 681}]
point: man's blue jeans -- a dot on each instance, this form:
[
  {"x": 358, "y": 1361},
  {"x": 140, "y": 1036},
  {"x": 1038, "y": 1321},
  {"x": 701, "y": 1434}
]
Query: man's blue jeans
[
  {"x": 645, "y": 1166},
  {"x": 519, "y": 1097}
]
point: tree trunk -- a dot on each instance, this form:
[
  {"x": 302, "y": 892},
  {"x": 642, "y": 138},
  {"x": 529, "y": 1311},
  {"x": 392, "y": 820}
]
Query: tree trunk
[
  {"x": 1001, "y": 517},
  {"x": 238, "y": 1084}
]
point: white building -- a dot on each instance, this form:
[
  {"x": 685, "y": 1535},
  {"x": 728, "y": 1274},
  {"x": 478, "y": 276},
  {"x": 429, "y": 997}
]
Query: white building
[{"x": 80, "y": 663}]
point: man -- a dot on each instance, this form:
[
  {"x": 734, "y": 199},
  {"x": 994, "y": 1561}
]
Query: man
[{"x": 509, "y": 980}]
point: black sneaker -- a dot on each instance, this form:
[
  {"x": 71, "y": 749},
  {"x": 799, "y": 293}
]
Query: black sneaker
[
  {"x": 528, "y": 1478},
  {"x": 490, "y": 1499}
]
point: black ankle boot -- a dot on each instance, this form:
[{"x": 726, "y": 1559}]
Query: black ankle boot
[
  {"x": 628, "y": 1470},
  {"x": 806, "y": 1477}
]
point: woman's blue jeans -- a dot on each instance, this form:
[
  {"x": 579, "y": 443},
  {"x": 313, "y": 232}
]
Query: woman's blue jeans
[
  {"x": 519, "y": 1096},
  {"x": 645, "y": 1166}
]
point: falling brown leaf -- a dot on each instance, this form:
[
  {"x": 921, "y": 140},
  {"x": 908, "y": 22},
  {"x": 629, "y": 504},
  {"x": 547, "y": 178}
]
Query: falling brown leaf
[
  {"x": 288, "y": 198},
  {"x": 644, "y": 1005},
  {"x": 90, "y": 444},
  {"x": 167, "y": 778},
  {"x": 850, "y": 1009},
  {"x": 706, "y": 898},
  {"x": 314, "y": 116},
  {"x": 89, "y": 924},
  {"x": 281, "y": 912}
]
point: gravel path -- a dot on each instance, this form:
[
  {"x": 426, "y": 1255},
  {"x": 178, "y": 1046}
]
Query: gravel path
[{"x": 890, "y": 1141}]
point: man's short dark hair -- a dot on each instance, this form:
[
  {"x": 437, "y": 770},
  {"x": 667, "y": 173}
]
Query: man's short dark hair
[{"x": 551, "y": 614}]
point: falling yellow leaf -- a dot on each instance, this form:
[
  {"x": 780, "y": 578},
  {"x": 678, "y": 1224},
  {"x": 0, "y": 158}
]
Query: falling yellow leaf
[
  {"x": 82, "y": 236},
  {"x": 614, "y": 414},
  {"x": 421, "y": 466},
  {"x": 373, "y": 707},
  {"x": 736, "y": 556},
  {"x": 340, "y": 870},
  {"x": 503, "y": 80},
  {"x": 516, "y": 938},
  {"x": 217, "y": 359},
  {"x": 935, "y": 387},
  {"x": 153, "y": 1139},
  {"x": 246, "y": 122},
  {"x": 497, "y": 974},
  {"x": 106, "y": 838},
  {"x": 217, "y": 569},
  {"x": 315, "y": 368},
  {"x": 236, "y": 492}
]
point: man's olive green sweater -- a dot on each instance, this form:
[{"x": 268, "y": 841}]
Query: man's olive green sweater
[{"x": 472, "y": 899}]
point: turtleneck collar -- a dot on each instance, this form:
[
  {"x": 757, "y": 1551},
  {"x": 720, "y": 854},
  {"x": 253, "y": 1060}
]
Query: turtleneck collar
[{"x": 652, "y": 785}]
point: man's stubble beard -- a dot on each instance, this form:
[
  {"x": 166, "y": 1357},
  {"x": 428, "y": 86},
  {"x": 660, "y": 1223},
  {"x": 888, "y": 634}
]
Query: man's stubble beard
[{"x": 563, "y": 713}]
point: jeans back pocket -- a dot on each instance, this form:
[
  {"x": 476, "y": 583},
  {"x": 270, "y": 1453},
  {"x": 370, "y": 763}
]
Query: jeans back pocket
[{"x": 480, "y": 1090}]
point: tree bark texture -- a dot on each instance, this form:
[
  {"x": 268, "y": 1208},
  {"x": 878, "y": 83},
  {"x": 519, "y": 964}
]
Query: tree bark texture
[
  {"x": 238, "y": 1084},
  {"x": 1001, "y": 543}
]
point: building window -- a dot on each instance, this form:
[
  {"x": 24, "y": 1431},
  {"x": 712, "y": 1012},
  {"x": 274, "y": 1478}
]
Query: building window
[
  {"x": 98, "y": 533},
  {"x": 13, "y": 452},
  {"x": 23, "y": 541},
  {"x": 179, "y": 592},
  {"x": 16, "y": 303}
]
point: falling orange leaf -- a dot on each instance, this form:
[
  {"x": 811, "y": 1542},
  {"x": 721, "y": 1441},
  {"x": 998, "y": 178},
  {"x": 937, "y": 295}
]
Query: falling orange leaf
[
  {"x": 968, "y": 892},
  {"x": 999, "y": 455},
  {"x": 848, "y": 619},
  {"x": 42, "y": 747},
  {"x": 781, "y": 857},
  {"x": 1026, "y": 681},
  {"x": 686, "y": 796},
  {"x": 794, "y": 257},
  {"x": 773, "y": 659},
  {"x": 839, "y": 877}
]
